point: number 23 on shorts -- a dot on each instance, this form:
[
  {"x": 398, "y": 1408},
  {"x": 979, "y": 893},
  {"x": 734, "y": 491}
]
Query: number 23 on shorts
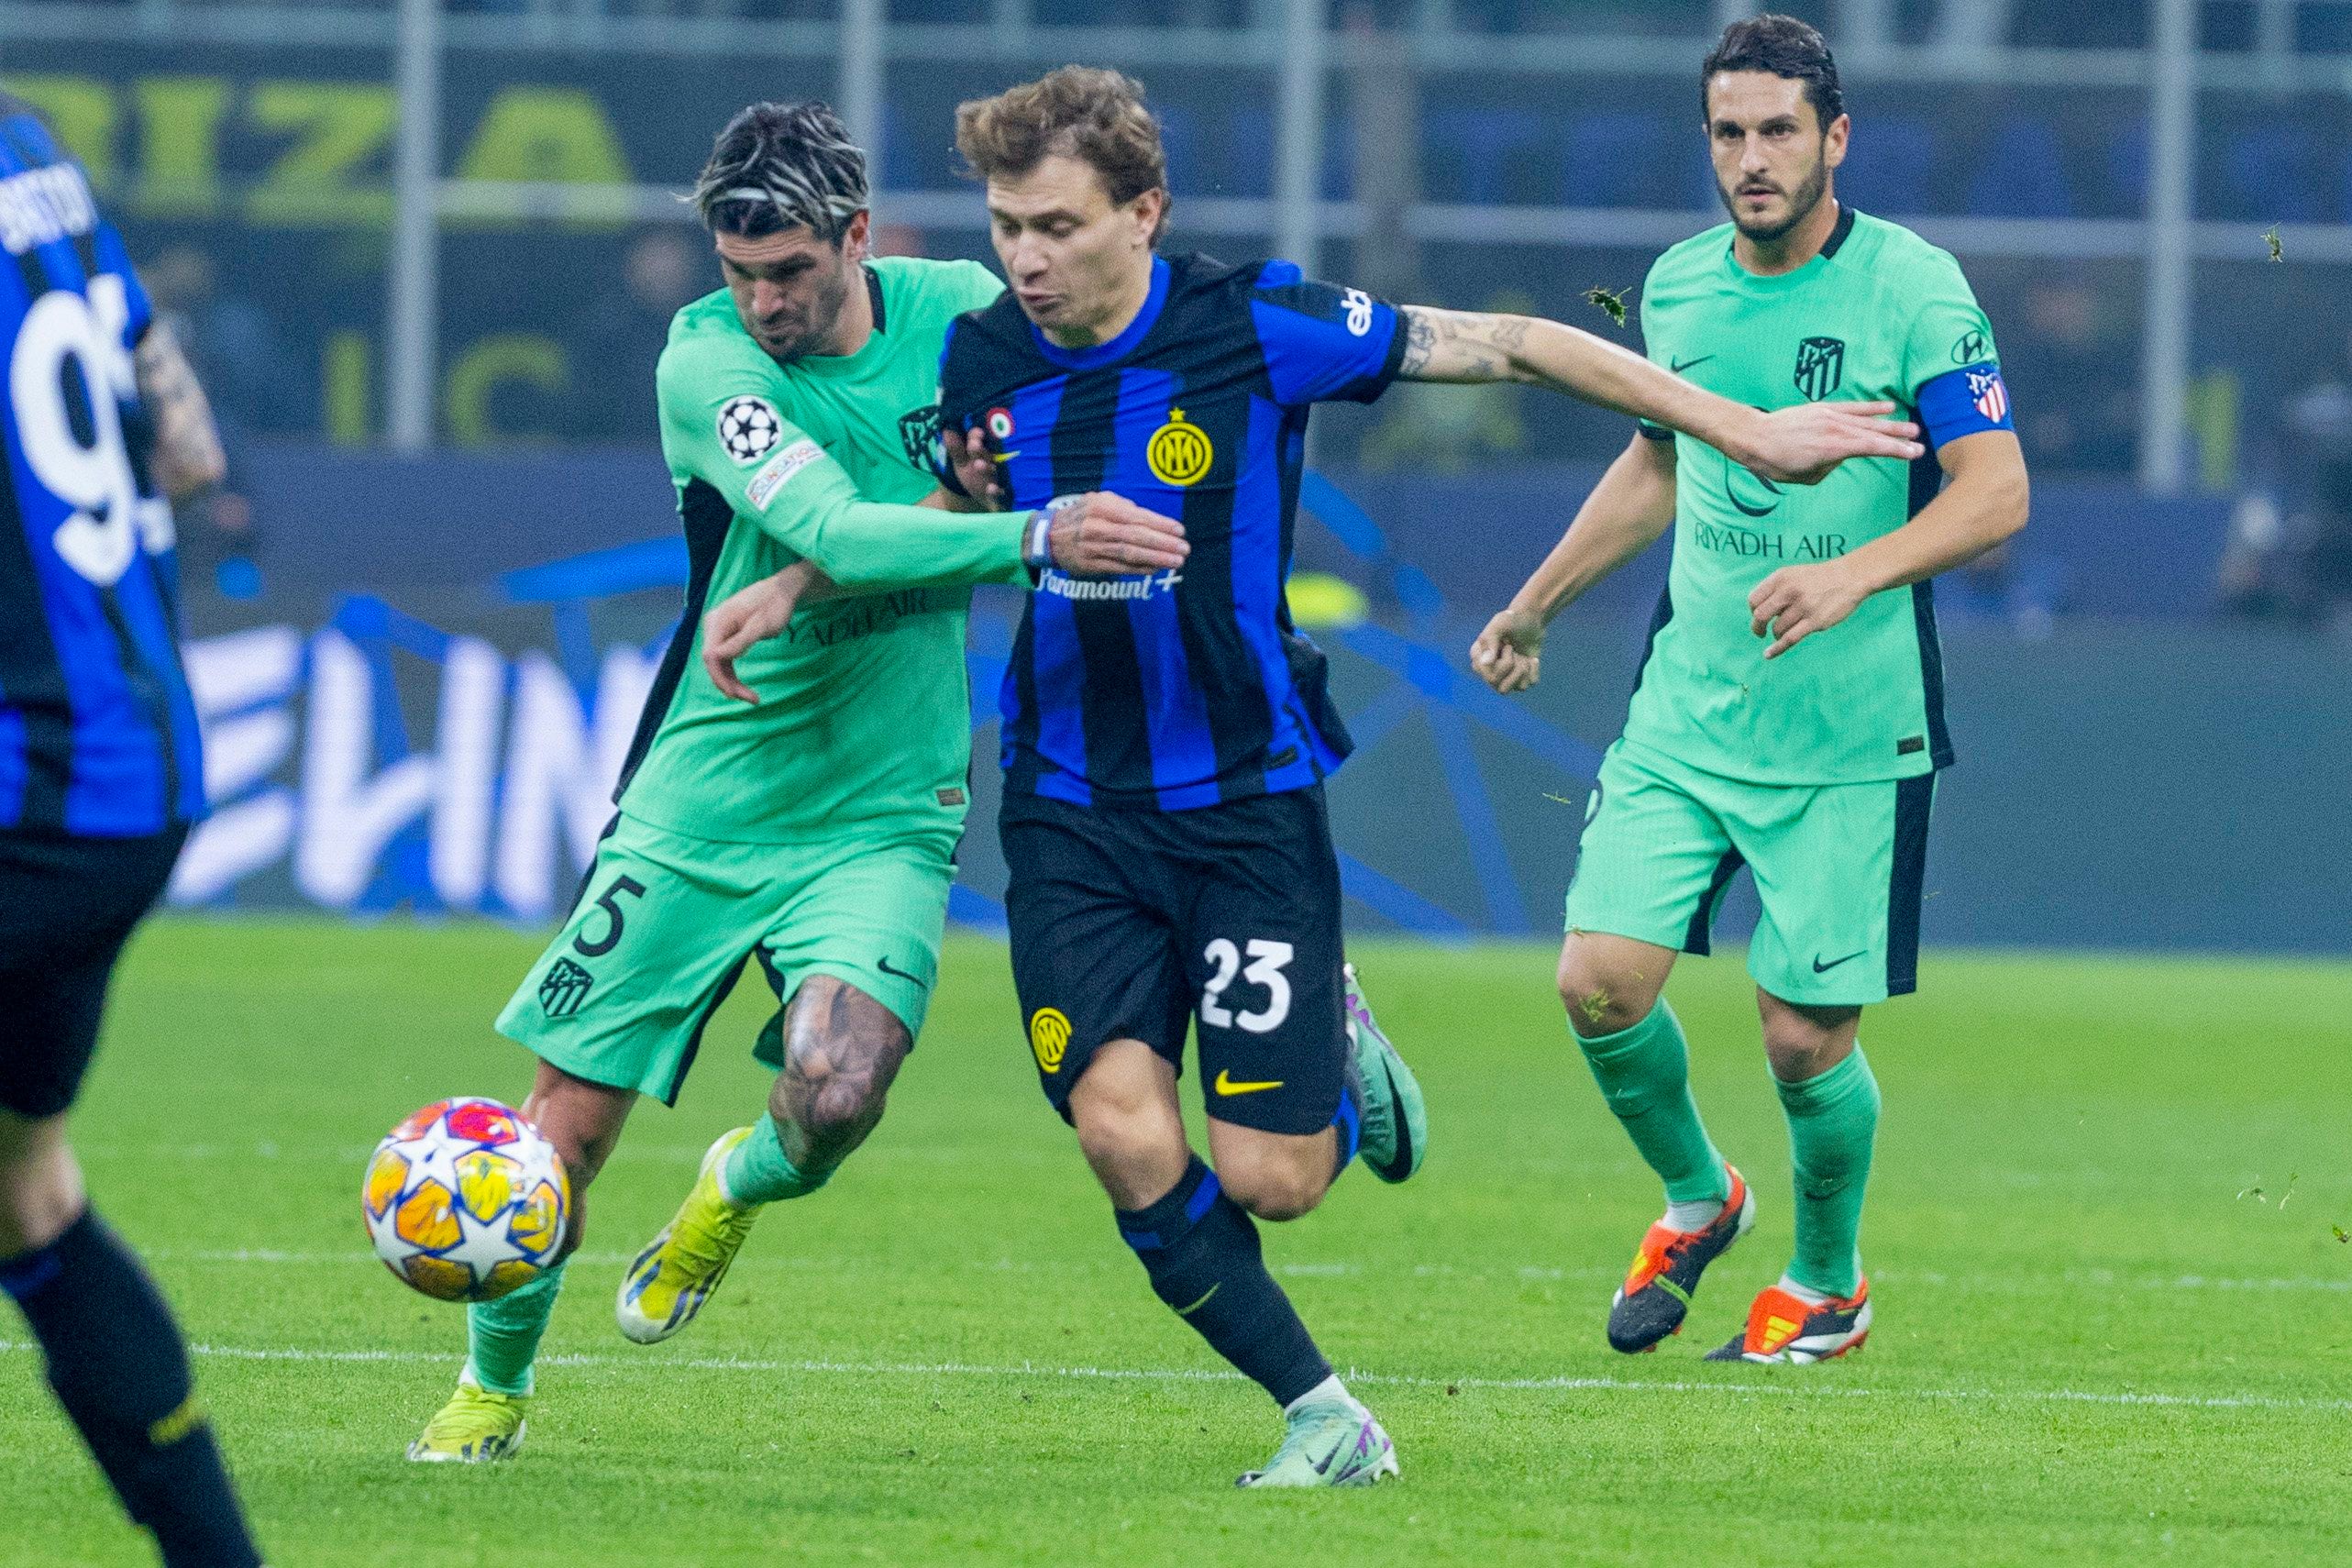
[{"x": 1267, "y": 958}]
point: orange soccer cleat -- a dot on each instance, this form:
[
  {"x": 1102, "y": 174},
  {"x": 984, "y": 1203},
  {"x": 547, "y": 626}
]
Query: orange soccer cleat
[
  {"x": 1656, "y": 1295},
  {"x": 1786, "y": 1330}
]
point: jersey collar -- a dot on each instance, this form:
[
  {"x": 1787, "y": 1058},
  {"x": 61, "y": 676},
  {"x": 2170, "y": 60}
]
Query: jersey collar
[
  {"x": 1120, "y": 347},
  {"x": 870, "y": 352},
  {"x": 1839, "y": 233}
]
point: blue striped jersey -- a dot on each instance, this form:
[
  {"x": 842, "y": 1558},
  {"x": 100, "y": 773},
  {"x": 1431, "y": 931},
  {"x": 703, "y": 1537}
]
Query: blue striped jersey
[
  {"x": 1186, "y": 688},
  {"x": 97, "y": 730}
]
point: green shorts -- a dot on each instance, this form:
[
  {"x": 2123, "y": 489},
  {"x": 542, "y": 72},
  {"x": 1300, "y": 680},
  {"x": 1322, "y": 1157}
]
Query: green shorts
[
  {"x": 665, "y": 923},
  {"x": 1838, "y": 868}
]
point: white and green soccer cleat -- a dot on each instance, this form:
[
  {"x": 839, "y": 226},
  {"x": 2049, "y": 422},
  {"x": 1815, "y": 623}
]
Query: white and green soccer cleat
[
  {"x": 669, "y": 1281},
  {"x": 1396, "y": 1136},
  {"x": 1332, "y": 1443},
  {"x": 476, "y": 1427}
]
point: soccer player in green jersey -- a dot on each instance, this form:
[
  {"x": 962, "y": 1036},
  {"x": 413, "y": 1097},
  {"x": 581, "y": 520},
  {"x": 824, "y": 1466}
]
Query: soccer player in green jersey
[
  {"x": 812, "y": 829},
  {"x": 1789, "y": 715}
]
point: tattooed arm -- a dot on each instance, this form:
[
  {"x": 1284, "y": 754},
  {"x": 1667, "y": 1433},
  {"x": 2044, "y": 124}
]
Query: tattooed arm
[
  {"x": 187, "y": 457},
  {"x": 1798, "y": 444}
]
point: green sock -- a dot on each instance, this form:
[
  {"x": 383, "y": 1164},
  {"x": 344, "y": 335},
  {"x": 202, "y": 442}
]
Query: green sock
[
  {"x": 1831, "y": 1121},
  {"x": 503, "y": 1336},
  {"x": 1645, "y": 1075},
  {"x": 758, "y": 1171}
]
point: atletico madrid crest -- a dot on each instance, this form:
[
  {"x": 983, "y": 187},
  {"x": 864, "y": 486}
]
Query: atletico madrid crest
[{"x": 1986, "y": 391}]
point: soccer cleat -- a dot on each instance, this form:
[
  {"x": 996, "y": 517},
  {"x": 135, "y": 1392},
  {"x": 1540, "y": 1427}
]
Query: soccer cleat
[
  {"x": 668, "y": 1282},
  {"x": 1396, "y": 1134},
  {"x": 476, "y": 1427},
  {"x": 1652, "y": 1303},
  {"x": 1333, "y": 1443},
  {"x": 1783, "y": 1330}
]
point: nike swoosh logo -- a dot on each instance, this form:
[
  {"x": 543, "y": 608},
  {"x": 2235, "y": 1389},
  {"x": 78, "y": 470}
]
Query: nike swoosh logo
[
  {"x": 1403, "y": 1132},
  {"x": 1679, "y": 366},
  {"x": 889, "y": 968},
  {"x": 1821, "y": 968},
  {"x": 1225, "y": 1084}
]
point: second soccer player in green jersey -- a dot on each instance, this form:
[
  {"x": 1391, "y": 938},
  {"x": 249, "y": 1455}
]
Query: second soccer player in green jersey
[
  {"x": 1789, "y": 716},
  {"x": 812, "y": 829}
]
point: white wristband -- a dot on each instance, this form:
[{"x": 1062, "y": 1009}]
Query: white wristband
[{"x": 1037, "y": 550}]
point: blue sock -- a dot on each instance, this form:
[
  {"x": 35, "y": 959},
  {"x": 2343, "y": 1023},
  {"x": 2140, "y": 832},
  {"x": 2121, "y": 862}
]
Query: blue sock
[
  {"x": 1201, "y": 1251},
  {"x": 1348, "y": 1119}
]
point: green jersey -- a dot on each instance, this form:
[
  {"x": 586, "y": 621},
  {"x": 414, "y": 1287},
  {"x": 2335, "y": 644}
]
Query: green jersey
[
  {"x": 1879, "y": 314},
  {"x": 863, "y": 714}
]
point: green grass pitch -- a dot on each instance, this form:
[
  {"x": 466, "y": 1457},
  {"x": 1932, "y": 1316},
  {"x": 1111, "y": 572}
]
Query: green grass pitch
[{"x": 2097, "y": 1341}]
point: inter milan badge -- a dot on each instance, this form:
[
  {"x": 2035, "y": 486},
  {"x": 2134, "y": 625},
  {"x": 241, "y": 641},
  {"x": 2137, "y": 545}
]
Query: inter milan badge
[
  {"x": 748, "y": 427},
  {"x": 1049, "y": 1037},
  {"x": 1821, "y": 366},
  {"x": 565, "y": 988},
  {"x": 1180, "y": 453}
]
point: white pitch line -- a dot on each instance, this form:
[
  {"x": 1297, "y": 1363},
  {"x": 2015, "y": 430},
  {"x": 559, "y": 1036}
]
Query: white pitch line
[
  {"x": 2128, "y": 1398},
  {"x": 2000, "y": 1284}
]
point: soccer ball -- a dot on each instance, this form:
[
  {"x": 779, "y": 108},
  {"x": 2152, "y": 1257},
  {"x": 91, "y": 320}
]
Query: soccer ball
[{"x": 466, "y": 1200}]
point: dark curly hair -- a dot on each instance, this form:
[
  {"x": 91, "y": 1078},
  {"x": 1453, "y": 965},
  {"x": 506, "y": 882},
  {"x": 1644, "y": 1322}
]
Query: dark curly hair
[
  {"x": 779, "y": 166},
  {"x": 1785, "y": 48}
]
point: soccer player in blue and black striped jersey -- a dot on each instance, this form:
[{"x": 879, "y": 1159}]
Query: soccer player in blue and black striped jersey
[
  {"x": 100, "y": 777},
  {"x": 1166, "y": 733}
]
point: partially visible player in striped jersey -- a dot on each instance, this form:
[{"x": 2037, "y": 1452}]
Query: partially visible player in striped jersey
[
  {"x": 811, "y": 828},
  {"x": 1789, "y": 715},
  {"x": 101, "y": 776}
]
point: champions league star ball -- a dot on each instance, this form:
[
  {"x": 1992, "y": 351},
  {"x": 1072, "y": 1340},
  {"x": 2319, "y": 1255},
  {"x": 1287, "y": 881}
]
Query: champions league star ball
[
  {"x": 748, "y": 427},
  {"x": 466, "y": 1201}
]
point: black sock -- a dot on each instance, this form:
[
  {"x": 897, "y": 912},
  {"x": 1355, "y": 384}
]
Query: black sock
[
  {"x": 1201, "y": 1252},
  {"x": 120, "y": 1369}
]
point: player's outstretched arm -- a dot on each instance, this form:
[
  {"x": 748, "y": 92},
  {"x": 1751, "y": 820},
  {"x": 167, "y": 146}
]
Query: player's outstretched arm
[
  {"x": 187, "y": 456},
  {"x": 1984, "y": 502},
  {"x": 1789, "y": 446},
  {"x": 1094, "y": 534},
  {"x": 1630, "y": 507},
  {"x": 720, "y": 431}
]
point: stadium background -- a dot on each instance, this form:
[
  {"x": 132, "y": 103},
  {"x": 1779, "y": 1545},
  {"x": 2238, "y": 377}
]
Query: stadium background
[{"x": 426, "y": 257}]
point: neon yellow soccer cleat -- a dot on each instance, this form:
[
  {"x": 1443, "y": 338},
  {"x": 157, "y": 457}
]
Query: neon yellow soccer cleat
[
  {"x": 673, "y": 1276},
  {"x": 476, "y": 1427}
]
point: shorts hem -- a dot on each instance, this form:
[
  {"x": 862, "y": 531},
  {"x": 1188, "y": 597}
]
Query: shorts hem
[
  {"x": 1801, "y": 996},
  {"x": 579, "y": 1066},
  {"x": 1284, "y": 1125},
  {"x": 1677, "y": 941},
  {"x": 886, "y": 989},
  {"x": 38, "y": 1108}
]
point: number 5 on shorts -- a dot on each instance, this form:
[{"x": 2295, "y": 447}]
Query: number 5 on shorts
[
  {"x": 1266, "y": 960},
  {"x": 608, "y": 902}
]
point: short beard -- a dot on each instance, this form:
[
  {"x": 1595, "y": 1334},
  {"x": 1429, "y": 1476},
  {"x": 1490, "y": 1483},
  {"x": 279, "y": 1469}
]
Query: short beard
[
  {"x": 1800, "y": 207},
  {"x": 822, "y": 319}
]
